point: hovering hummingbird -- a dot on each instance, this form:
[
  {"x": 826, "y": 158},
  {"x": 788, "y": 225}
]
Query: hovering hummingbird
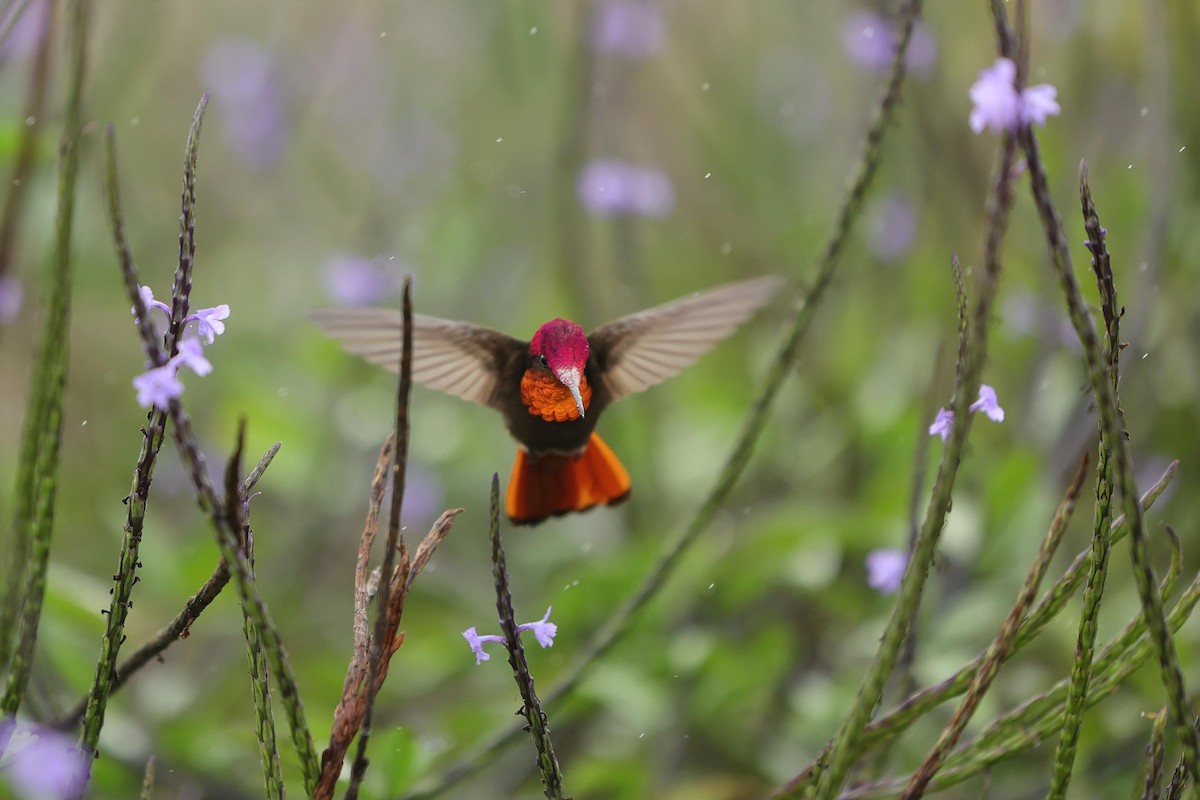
[{"x": 551, "y": 389}]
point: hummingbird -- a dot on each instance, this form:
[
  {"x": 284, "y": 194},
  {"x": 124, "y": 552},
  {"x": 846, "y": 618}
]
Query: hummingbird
[{"x": 552, "y": 389}]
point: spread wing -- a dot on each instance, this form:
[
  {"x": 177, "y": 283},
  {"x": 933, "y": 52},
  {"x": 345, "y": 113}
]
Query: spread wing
[
  {"x": 457, "y": 358},
  {"x": 643, "y": 349}
]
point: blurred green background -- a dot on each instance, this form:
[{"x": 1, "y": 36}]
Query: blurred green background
[{"x": 349, "y": 144}]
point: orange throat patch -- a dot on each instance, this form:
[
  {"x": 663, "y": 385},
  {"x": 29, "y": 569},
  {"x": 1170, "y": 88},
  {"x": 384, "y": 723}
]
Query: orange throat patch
[{"x": 546, "y": 397}]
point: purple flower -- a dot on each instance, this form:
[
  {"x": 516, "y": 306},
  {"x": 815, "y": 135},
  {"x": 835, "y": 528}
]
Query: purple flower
[
  {"x": 609, "y": 187},
  {"x": 48, "y": 765},
  {"x": 191, "y": 354},
  {"x": 353, "y": 280},
  {"x": 1038, "y": 102},
  {"x": 26, "y": 31},
  {"x": 988, "y": 404},
  {"x": 941, "y": 426},
  {"x": 543, "y": 630},
  {"x": 870, "y": 40},
  {"x": 476, "y": 642},
  {"x": 998, "y": 105},
  {"x": 11, "y": 294},
  {"x": 627, "y": 28},
  {"x": 149, "y": 302},
  {"x": 208, "y": 322},
  {"x": 885, "y": 569},
  {"x": 244, "y": 80},
  {"x": 159, "y": 386}
]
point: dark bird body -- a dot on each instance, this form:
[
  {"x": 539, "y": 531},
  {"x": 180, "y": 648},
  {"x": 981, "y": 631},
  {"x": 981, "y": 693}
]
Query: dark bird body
[{"x": 552, "y": 389}]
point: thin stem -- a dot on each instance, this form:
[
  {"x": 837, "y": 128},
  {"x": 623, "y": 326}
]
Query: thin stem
[
  {"x": 395, "y": 542},
  {"x": 531, "y": 709},
  {"x": 37, "y": 472},
  {"x": 1089, "y": 619},
  {"x": 1112, "y": 421},
  {"x": 1001, "y": 645}
]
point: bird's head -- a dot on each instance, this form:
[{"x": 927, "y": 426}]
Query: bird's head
[{"x": 561, "y": 346}]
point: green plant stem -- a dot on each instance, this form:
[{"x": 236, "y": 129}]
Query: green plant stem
[
  {"x": 103, "y": 681},
  {"x": 531, "y": 709},
  {"x": 179, "y": 628},
  {"x": 260, "y": 680},
  {"x": 973, "y": 350},
  {"x": 1112, "y": 421},
  {"x": 1026, "y": 727},
  {"x": 37, "y": 470},
  {"x": 1001, "y": 645},
  {"x": 899, "y": 719},
  {"x": 1089, "y": 618},
  {"x": 148, "y": 780}
]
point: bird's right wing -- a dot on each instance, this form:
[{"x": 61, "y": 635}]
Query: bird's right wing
[{"x": 457, "y": 358}]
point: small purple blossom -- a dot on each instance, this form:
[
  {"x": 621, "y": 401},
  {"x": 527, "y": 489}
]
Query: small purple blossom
[
  {"x": 942, "y": 425},
  {"x": 885, "y": 569},
  {"x": 543, "y": 630},
  {"x": 1038, "y": 103},
  {"x": 870, "y": 40},
  {"x": 159, "y": 386},
  {"x": 609, "y": 188},
  {"x": 629, "y": 29},
  {"x": 149, "y": 302},
  {"x": 998, "y": 105},
  {"x": 191, "y": 354},
  {"x": 11, "y": 295},
  {"x": 476, "y": 642},
  {"x": 352, "y": 280},
  {"x": 47, "y": 765},
  {"x": 208, "y": 322},
  {"x": 987, "y": 403}
]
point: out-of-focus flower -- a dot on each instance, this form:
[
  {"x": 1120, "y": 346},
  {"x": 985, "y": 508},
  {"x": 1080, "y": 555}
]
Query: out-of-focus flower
[
  {"x": 871, "y": 39},
  {"x": 610, "y": 188},
  {"x": 242, "y": 78},
  {"x": 159, "y": 386},
  {"x": 352, "y": 280},
  {"x": 987, "y": 403},
  {"x": 885, "y": 569},
  {"x": 628, "y": 29},
  {"x": 11, "y": 295},
  {"x": 191, "y": 354},
  {"x": 208, "y": 321},
  {"x": 543, "y": 630},
  {"x": 25, "y": 33},
  {"x": 942, "y": 424},
  {"x": 998, "y": 105},
  {"x": 149, "y": 302},
  {"x": 44, "y": 764},
  {"x": 891, "y": 228},
  {"x": 1038, "y": 103}
]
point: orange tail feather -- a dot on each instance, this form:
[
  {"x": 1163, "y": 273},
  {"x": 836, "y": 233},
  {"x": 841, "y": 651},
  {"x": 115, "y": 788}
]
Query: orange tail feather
[{"x": 550, "y": 485}]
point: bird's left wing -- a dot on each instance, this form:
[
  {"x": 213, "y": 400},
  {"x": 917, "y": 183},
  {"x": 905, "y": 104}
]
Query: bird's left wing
[
  {"x": 457, "y": 358},
  {"x": 643, "y": 349}
]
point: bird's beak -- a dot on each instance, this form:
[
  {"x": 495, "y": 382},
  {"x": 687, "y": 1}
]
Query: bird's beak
[{"x": 570, "y": 379}]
